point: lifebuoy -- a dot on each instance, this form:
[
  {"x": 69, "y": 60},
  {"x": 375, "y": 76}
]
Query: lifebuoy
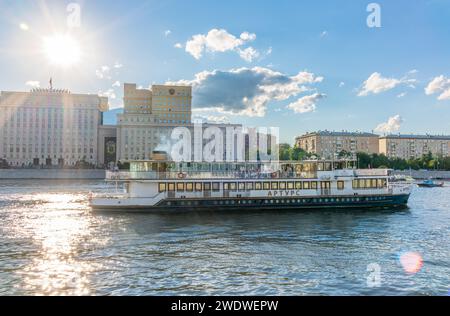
[{"x": 180, "y": 175}]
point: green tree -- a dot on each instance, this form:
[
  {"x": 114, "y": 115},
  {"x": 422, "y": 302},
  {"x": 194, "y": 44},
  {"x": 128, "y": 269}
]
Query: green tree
[{"x": 284, "y": 151}]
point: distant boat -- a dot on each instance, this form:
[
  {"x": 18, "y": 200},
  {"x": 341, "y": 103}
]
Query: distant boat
[{"x": 430, "y": 184}]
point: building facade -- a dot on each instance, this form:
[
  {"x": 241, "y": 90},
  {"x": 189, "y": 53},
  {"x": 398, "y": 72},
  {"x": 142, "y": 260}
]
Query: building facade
[
  {"x": 328, "y": 144},
  {"x": 50, "y": 127},
  {"x": 414, "y": 146},
  {"x": 150, "y": 116}
]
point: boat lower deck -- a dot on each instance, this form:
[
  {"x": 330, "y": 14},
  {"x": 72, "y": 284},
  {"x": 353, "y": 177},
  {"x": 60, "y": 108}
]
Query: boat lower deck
[{"x": 356, "y": 201}]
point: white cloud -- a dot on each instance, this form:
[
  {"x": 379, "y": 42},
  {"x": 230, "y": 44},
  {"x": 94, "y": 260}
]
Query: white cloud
[
  {"x": 441, "y": 85},
  {"x": 219, "y": 40},
  {"x": 33, "y": 84},
  {"x": 376, "y": 83},
  {"x": 167, "y": 33},
  {"x": 246, "y": 91},
  {"x": 341, "y": 84},
  {"x": 116, "y": 84},
  {"x": 248, "y": 37},
  {"x": 178, "y": 45},
  {"x": 106, "y": 71},
  {"x": 323, "y": 34},
  {"x": 248, "y": 54},
  {"x": 103, "y": 72},
  {"x": 392, "y": 125},
  {"x": 306, "y": 104},
  {"x": 401, "y": 95},
  {"x": 108, "y": 93},
  {"x": 24, "y": 26}
]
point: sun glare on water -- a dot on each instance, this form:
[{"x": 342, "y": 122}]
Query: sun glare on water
[{"x": 62, "y": 50}]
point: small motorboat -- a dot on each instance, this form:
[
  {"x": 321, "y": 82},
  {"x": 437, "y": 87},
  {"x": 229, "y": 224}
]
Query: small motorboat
[{"x": 430, "y": 184}]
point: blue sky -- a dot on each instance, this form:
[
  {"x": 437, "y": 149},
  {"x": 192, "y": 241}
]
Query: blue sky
[{"x": 313, "y": 65}]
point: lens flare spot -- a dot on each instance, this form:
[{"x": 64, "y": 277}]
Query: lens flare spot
[{"x": 411, "y": 262}]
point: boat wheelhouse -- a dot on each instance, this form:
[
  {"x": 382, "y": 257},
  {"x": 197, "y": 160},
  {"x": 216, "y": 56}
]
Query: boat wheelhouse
[{"x": 167, "y": 185}]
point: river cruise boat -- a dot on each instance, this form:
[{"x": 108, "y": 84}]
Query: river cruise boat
[{"x": 162, "y": 185}]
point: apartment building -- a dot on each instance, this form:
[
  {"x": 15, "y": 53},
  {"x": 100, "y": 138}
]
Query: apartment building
[{"x": 327, "y": 144}]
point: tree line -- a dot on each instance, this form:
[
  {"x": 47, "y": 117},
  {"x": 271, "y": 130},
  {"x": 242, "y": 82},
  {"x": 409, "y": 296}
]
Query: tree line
[{"x": 427, "y": 161}]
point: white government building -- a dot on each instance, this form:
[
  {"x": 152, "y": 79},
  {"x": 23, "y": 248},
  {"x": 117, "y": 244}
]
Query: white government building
[
  {"x": 50, "y": 127},
  {"x": 53, "y": 127}
]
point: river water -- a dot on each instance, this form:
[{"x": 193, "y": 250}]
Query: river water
[{"x": 52, "y": 244}]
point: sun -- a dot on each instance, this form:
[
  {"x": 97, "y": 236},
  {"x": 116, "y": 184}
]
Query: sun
[{"x": 62, "y": 50}]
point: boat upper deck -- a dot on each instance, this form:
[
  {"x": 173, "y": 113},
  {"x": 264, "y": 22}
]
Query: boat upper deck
[{"x": 307, "y": 169}]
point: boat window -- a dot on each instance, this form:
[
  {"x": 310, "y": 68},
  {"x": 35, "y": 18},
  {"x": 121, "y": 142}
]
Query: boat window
[
  {"x": 226, "y": 186},
  {"x": 258, "y": 185},
  {"x": 306, "y": 185},
  {"x": 216, "y": 186},
  {"x": 198, "y": 186},
  {"x": 233, "y": 186},
  {"x": 241, "y": 186},
  {"x": 340, "y": 185},
  {"x": 266, "y": 185},
  {"x": 325, "y": 184},
  {"x": 282, "y": 185},
  {"x": 207, "y": 186},
  {"x": 314, "y": 185},
  {"x": 374, "y": 183},
  {"x": 367, "y": 184},
  {"x": 298, "y": 185},
  {"x": 171, "y": 186},
  {"x": 180, "y": 186},
  {"x": 189, "y": 186},
  {"x": 355, "y": 184},
  {"x": 249, "y": 186},
  {"x": 274, "y": 186},
  {"x": 290, "y": 185},
  {"x": 162, "y": 187},
  {"x": 379, "y": 183}
]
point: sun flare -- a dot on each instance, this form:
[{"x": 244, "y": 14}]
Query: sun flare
[{"x": 62, "y": 50}]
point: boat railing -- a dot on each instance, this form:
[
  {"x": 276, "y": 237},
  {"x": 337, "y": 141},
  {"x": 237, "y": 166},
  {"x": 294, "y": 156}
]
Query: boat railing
[
  {"x": 179, "y": 175},
  {"x": 371, "y": 172}
]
